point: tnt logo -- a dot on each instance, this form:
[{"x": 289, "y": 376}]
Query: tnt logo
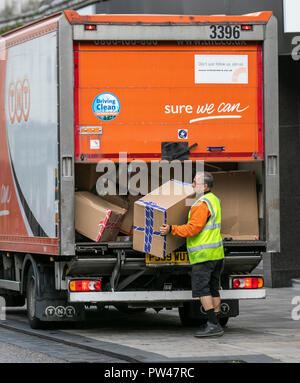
[{"x": 19, "y": 100}]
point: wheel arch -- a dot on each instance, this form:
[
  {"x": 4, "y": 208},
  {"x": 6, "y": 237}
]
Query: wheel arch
[{"x": 29, "y": 261}]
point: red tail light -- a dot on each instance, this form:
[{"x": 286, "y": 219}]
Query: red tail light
[
  {"x": 247, "y": 283},
  {"x": 247, "y": 27},
  {"x": 90, "y": 27},
  {"x": 236, "y": 283},
  {"x": 83, "y": 285}
]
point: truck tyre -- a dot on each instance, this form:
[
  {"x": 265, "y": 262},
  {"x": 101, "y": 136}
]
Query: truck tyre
[
  {"x": 14, "y": 300},
  {"x": 223, "y": 321},
  {"x": 186, "y": 319},
  {"x": 31, "y": 295},
  {"x": 123, "y": 308}
]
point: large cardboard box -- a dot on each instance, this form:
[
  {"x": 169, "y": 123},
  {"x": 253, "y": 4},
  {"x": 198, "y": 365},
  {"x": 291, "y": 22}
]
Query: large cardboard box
[
  {"x": 86, "y": 176},
  {"x": 97, "y": 219},
  {"x": 121, "y": 201},
  {"x": 167, "y": 204},
  {"x": 127, "y": 222},
  {"x": 126, "y": 202},
  {"x": 237, "y": 192}
]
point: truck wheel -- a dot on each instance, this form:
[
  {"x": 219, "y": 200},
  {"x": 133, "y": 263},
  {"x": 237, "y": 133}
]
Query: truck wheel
[
  {"x": 186, "y": 320},
  {"x": 223, "y": 321},
  {"x": 123, "y": 308},
  {"x": 14, "y": 300},
  {"x": 34, "y": 322}
]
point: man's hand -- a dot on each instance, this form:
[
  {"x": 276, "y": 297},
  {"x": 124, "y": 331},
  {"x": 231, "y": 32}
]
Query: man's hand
[{"x": 164, "y": 229}]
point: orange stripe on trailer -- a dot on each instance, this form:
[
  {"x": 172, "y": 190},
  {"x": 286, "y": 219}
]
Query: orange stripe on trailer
[
  {"x": 36, "y": 245},
  {"x": 11, "y": 219},
  {"x": 31, "y": 31},
  {"x": 260, "y": 104},
  {"x": 258, "y": 17}
]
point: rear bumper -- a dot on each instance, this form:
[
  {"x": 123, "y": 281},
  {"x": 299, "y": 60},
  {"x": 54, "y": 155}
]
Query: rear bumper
[{"x": 158, "y": 296}]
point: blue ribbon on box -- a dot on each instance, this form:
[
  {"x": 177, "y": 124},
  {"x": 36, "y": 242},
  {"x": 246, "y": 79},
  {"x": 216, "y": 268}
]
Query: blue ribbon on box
[
  {"x": 149, "y": 232},
  {"x": 181, "y": 183}
]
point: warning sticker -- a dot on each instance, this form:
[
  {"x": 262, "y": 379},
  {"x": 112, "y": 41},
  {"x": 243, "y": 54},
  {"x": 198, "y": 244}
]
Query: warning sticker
[
  {"x": 95, "y": 144},
  {"x": 221, "y": 69}
]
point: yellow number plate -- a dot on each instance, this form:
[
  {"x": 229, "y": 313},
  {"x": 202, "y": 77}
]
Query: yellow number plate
[{"x": 176, "y": 257}]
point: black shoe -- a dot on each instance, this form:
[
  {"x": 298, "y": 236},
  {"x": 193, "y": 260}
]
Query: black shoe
[{"x": 210, "y": 329}]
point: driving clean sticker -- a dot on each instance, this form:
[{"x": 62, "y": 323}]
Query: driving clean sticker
[{"x": 106, "y": 106}]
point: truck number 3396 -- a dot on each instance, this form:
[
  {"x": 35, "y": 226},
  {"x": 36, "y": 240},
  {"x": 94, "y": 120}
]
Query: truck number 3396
[{"x": 225, "y": 32}]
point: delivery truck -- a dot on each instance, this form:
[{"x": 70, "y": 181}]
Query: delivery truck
[{"x": 80, "y": 91}]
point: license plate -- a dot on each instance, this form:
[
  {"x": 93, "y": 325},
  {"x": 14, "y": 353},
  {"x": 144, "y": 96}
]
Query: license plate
[{"x": 175, "y": 257}]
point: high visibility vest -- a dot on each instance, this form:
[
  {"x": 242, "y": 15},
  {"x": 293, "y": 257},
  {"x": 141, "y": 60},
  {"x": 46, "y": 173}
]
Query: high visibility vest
[{"x": 208, "y": 244}]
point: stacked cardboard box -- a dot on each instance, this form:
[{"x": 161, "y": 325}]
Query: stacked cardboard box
[
  {"x": 86, "y": 176},
  {"x": 126, "y": 202},
  {"x": 97, "y": 219},
  {"x": 167, "y": 204},
  {"x": 237, "y": 192}
]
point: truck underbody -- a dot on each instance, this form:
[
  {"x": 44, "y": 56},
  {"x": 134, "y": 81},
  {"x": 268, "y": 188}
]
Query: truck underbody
[{"x": 127, "y": 282}]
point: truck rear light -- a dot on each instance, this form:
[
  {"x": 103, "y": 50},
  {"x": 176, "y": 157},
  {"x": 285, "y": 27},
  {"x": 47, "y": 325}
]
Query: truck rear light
[
  {"x": 90, "y": 27},
  {"x": 246, "y": 27},
  {"x": 85, "y": 285},
  {"x": 247, "y": 283}
]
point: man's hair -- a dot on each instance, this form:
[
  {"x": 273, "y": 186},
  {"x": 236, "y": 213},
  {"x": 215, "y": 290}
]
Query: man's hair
[{"x": 208, "y": 178}]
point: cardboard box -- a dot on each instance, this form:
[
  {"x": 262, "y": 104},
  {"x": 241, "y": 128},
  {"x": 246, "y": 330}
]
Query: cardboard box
[
  {"x": 86, "y": 176},
  {"x": 126, "y": 202},
  {"x": 121, "y": 201},
  {"x": 97, "y": 219},
  {"x": 237, "y": 192},
  {"x": 127, "y": 222},
  {"x": 167, "y": 204},
  {"x": 140, "y": 181}
]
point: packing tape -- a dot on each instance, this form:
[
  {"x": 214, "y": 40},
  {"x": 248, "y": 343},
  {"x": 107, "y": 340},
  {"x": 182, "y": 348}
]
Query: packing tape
[
  {"x": 103, "y": 223},
  {"x": 148, "y": 229},
  {"x": 182, "y": 183}
]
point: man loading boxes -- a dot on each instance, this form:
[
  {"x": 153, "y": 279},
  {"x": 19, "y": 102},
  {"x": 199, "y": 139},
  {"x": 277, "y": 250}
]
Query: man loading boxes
[{"x": 205, "y": 249}]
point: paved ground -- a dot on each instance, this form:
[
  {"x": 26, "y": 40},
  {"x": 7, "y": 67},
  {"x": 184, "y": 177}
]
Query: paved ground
[
  {"x": 13, "y": 354},
  {"x": 263, "y": 332},
  {"x": 16, "y": 347}
]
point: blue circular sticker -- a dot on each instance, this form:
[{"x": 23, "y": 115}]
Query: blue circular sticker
[{"x": 106, "y": 106}]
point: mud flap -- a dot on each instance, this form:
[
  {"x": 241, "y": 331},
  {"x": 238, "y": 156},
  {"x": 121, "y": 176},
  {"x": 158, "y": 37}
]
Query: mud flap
[
  {"x": 56, "y": 308},
  {"x": 229, "y": 308},
  {"x": 50, "y": 304}
]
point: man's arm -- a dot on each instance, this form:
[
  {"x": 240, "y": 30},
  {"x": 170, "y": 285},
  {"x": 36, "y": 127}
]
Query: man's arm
[
  {"x": 199, "y": 216},
  {"x": 198, "y": 219}
]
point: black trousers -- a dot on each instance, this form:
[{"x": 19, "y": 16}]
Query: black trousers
[{"x": 206, "y": 278}]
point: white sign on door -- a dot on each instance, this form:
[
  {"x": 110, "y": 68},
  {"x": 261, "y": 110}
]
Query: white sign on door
[{"x": 221, "y": 69}]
